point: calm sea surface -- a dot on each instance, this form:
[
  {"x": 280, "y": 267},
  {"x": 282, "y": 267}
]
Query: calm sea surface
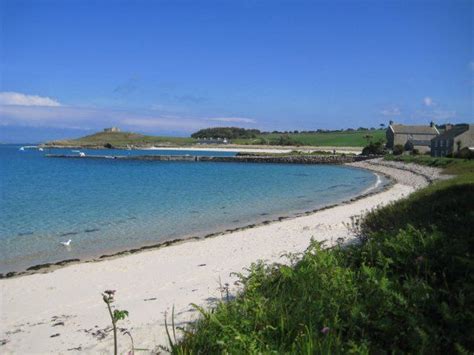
[{"x": 105, "y": 206}]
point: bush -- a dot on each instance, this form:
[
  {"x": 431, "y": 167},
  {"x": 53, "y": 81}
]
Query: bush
[
  {"x": 226, "y": 132},
  {"x": 374, "y": 148},
  {"x": 398, "y": 149},
  {"x": 465, "y": 153},
  {"x": 285, "y": 139}
]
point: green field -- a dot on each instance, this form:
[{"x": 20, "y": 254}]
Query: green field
[
  {"x": 330, "y": 139},
  {"x": 124, "y": 139},
  {"x": 407, "y": 287}
]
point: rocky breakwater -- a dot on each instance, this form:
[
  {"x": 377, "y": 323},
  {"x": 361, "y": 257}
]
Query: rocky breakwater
[{"x": 289, "y": 159}]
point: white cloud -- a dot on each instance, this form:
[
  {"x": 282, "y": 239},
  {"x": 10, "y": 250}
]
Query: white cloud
[
  {"x": 19, "y": 99},
  {"x": 391, "y": 111},
  {"x": 18, "y": 109},
  {"x": 435, "y": 114},
  {"x": 233, "y": 119},
  {"x": 428, "y": 101},
  {"x": 96, "y": 118}
]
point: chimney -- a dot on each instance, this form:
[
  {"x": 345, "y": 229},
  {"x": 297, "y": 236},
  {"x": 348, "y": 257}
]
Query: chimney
[
  {"x": 390, "y": 122},
  {"x": 432, "y": 124}
]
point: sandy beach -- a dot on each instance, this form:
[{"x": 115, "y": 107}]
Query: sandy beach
[
  {"x": 259, "y": 149},
  {"x": 62, "y": 312}
]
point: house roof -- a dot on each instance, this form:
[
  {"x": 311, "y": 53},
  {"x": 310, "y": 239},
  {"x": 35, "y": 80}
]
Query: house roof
[
  {"x": 398, "y": 128},
  {"x": 454, "y": 132}
]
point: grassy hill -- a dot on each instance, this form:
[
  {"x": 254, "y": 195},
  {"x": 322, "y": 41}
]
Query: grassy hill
[{"x": 121, "y": 139}]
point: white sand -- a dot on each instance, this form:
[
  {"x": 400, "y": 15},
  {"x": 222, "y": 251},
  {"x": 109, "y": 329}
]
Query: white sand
[
  {"x": 68, "y": 302},
  {"x": 259, "y": 149}
]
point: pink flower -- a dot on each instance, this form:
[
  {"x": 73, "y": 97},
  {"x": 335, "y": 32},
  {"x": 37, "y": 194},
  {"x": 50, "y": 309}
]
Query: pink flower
[{"x": 325, "y": 330}]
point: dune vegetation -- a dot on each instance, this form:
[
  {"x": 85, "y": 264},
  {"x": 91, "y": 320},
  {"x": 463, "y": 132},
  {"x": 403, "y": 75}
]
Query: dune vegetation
[{"x": 407, "y": 286}]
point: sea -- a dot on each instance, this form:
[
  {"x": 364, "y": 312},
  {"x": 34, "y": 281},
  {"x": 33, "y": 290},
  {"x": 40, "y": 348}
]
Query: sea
[{"x": 106, "y": 206}]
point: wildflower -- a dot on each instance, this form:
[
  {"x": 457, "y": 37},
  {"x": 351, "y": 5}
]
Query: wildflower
[{"x": 325, "y": 330}]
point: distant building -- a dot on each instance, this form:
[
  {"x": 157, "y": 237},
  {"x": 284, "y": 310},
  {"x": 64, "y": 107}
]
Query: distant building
[
  {"x": 112, "y": 129},
  {"x": 213, "y": 141},
  {"x": 452, "y": 140},
  {"x": 411, "y": 137}
]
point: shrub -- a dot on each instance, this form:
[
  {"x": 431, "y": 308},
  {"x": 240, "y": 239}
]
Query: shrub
[
  {"x": 374, "y": 148},
  {"x": 226, "y": 132},
  {"x": 398, "y": 149},
  {"x": 465, "y": 153},
  {"x": 284, "y": 139}
]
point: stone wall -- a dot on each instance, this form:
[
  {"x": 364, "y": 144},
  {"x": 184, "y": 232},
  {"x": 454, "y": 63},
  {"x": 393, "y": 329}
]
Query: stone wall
[{"x": 291, "y": 159}]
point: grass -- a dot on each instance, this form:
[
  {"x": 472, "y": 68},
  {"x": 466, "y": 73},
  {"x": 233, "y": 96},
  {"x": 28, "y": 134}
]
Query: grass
[
  {"x": 330, "y": 139},
  {"x": 122, "y": 139},
  {"x": 408, "y": 287},
  {"x": 451, "y": 166}
]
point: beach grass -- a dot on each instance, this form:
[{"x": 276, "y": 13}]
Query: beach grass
[{"x": 407, "y": 287}]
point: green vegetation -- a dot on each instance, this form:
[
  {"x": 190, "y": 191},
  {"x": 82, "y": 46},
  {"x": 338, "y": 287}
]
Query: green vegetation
[
  {"x": 115, "y": 316},
  {"x": 121, "y": 140},
  {"x": 348, "y": 138},
  {"x": 407, "y": 287},
  {"x": 374, "y": 148},
  {"x": 226, "y": 132},
  {"x": 354, "y": 138},
  {"x": 452, "y": 166}
]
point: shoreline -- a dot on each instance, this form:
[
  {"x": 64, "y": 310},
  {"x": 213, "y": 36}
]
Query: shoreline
[
  {"x": 61, "y": 311},
  {"x": 56, "y": 265},
  {"x": 222, "y": 148}
]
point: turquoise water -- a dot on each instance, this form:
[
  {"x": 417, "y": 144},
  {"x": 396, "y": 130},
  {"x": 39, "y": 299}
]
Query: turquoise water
[{"x": 105, "y": 206}]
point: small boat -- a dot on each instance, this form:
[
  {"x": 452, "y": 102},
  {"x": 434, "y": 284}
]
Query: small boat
[
  {"x": 82, "y": 154},
  {"x": 40, "y": 149},
  {"x": 22, "y": 148}
]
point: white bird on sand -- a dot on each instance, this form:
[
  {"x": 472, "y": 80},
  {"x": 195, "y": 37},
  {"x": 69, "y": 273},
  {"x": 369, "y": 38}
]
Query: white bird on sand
[{"x": 66, "y": 244}]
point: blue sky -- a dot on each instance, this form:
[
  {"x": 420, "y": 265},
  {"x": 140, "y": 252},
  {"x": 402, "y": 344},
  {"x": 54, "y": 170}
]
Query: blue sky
[{"x": 171, "y": 67}]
